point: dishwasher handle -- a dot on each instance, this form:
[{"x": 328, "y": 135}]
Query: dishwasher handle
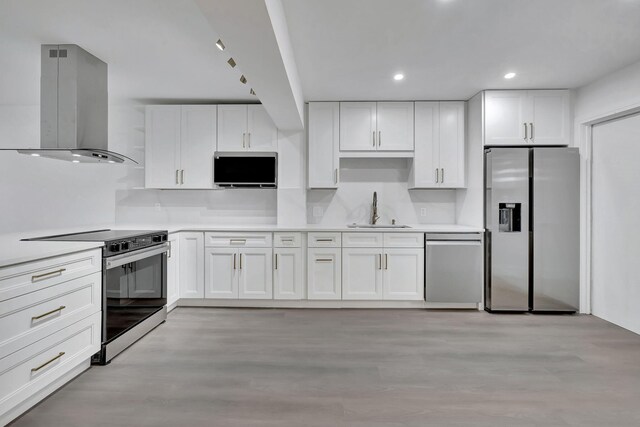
[{"x": 454, "y": 242}]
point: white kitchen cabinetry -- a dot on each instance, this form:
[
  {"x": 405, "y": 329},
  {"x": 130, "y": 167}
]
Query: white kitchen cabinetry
[
  {"x": 439, "y": 159},
  {"x": 221, "y": 273},
  {"x": 376, "y": 126},
  {"x": 403, "y": 274},
  {"x": 527, "y": 117},
  {"x": 288, "y": 266},
  {"x": 173, "y": 271},
  {"x": 191, "y": 264},
  {"x": 50, "y": 324},
  {"x": 246, "y": 128},
  {"x": 379, "y": 272},
  {"x": 179, "y": 144},
  {"x": 324, "y": 144},
  {"x": 255, "y": 273},
  {"x": 324, "y": 270}
]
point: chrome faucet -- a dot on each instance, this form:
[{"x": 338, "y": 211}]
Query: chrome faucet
[{"x": 374, "y": 209}]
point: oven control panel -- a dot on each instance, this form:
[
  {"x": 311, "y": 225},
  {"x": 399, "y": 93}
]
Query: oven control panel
[{"x": 118, "y": 247}]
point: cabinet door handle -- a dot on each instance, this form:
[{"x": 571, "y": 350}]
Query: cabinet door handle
[
  {"x": 442, "y": 176},
  {"x": 335, "y": 176},
  {"x": 62, "y": 307},
  {"x": 374, "y": 138},
  {"x": 46, "y": 275},
  {"x": 437, "y": 175},
  {"x": 526, "y": 132},
  {"x": 181, "y": 176},
  {"x": 243, "y": 139},
  {"x": 36, "y": 369},
  {"x": 380, "y": 261},
  {"x": 324, "y": 260},
  {"x": 249, "y": 140},
  {"x": 276, "y": 266},
  {"x": 240, "y": 265},
  {"x": 531, "y": 126},
  {"x": 234, "y": 261},
  {"x": 177, "y": 176},
  {"x": 386, "y": 261},
  {"x": 379, "y": 138}
]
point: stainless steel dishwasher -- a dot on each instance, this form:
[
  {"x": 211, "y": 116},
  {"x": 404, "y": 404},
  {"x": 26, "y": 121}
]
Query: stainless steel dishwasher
[{"x": 454, "y": 263}]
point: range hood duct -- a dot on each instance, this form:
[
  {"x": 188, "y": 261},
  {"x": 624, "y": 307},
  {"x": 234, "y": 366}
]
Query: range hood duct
[{"x": 74, "y": 107}]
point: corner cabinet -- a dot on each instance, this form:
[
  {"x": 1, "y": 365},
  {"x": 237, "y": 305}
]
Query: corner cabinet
[
  {"x": 179, "y": 144},
  {"x": 323, "y": 136},
  {"x": 527, "y": 117},
  {"x": 439, "y": 159},
  {"x": 376, "y": 126},
  {"x": 246, "y": 128}
]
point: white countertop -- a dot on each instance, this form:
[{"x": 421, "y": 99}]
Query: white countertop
[{"x": 15, "y": 251}]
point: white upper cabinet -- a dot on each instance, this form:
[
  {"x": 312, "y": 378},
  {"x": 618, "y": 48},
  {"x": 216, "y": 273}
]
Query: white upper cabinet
[
  {"x": 527, "y": 117},
  {"x": 261, "y": 131},
  {"x": 395, "y": 126},
  {"x": 162, "y": 146},
  {"x": 376, "y": 126},
  {"x": 324, "y": 133},
  {"x": 246, "y": 128},
  {"x": 179, "y": 145},
  {"x": 439, "y": 159},
  {"x": 358, "y": 126}
]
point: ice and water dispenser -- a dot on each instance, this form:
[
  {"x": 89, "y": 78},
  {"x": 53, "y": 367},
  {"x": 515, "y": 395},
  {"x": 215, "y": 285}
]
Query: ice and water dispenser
[{"x": 509, "y": 217}]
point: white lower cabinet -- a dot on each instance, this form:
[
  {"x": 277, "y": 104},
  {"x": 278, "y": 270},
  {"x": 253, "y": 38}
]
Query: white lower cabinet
[
  {"x": 173, "y": 271},
  {"x": 288, "y": 277},
  {"x": 191, "y": 265},
  {"x": 238, "y": 273},
  {"x": 255, "y": 277},
  {"x": 362, "y": 273},
  {"x": 221, "y": 268},
  {"x": 323, "y": 273},
  {"x": 403, "y": 277}
]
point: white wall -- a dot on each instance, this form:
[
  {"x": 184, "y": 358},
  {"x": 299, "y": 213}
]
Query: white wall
[
  {"x": 608, "y": 96},
  {"x": 43, "y": 194},
  {"x": 359, "y": 178}
]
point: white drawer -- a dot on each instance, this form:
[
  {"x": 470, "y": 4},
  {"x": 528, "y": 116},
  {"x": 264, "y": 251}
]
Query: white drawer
[
  {"x": 31, "y": 317},
  {"x": 324, "y": 240},
  {"x": 404, "y": 240},
  {"x": 29, "y": 370},
  {"x": 233, "y": 239},
  {"x": 361, "y": 240},
  {"x": 287, "y": 240},
  {"x": 21, "y": 279}
]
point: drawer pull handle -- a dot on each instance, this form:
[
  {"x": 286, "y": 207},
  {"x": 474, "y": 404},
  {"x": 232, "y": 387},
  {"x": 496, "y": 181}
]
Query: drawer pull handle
[
  {"x": 243, "y": 241},
  {"x": 324, "y": 260},
  {"x": 51, "y": 273},
  {"x": 62, "y": 307},
  {"x": 48, "y": 362},
  {"x": 287, "y": 240},
  {"x": 324, "y": 240}
]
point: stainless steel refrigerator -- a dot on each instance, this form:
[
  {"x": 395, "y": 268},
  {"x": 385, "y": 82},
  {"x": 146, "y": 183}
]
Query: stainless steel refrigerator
[{"x": 532, "y": 222}]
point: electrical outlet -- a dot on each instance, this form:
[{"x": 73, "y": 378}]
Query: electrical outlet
[
  {"x": 423, "y": 211},
  {"x": 318, "y": 211}
]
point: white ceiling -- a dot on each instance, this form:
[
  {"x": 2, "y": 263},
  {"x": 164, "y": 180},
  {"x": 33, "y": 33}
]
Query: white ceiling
[
  {"x": 451, "y": 49},
  {"x": 156, "y": 49}
]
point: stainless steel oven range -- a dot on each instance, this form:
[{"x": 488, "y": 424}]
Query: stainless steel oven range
[{"x": 134, "y": 285}]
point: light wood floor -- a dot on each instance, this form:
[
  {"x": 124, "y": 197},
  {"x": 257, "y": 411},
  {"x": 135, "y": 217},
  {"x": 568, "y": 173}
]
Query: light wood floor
[{"x": 275, "y": 367}]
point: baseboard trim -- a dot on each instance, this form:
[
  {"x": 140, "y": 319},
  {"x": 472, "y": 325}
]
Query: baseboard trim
[{"x": 246, "y": 303}]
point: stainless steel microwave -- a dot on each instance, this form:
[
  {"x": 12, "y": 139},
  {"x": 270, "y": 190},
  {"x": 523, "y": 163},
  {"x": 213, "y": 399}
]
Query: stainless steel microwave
[{"x": 245, "y": 170}]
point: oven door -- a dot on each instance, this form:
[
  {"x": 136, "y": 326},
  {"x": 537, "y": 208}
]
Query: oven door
[{"x": 135, "y": 287}]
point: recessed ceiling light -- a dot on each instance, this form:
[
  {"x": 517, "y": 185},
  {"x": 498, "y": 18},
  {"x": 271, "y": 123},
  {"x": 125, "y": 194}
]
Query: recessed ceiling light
[
  {"x": 76, "y": 155},
  {"x": 220, "y": 45},
  {"x": 111, "y": 161},
  {"x": 398, "y": 76},
  {"x": 232, "y": 63},
  {"x": 35, "y": 154},
  {"x": 252, "y": 92},
  {"x": 75, "y": 161},
  {"x": 243, "y": 79},
  {"x": 509, "y": 75}
]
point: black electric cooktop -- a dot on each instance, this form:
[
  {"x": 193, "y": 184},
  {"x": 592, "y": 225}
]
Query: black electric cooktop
[{"x": 105, "y": 235}]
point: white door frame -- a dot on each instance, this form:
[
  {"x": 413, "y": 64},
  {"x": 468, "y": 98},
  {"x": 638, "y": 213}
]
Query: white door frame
[{"x": 584, "y": 127}]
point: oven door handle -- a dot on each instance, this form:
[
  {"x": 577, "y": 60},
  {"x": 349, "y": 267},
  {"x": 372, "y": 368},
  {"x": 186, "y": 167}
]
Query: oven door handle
[{"x": 119, "y": 260}]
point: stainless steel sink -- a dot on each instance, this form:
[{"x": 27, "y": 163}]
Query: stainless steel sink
[{"x": 377, "y": 226}]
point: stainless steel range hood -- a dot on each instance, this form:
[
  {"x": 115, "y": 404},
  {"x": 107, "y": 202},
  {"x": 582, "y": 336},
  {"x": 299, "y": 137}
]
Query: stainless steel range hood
[{"x": 74, "y": 107}]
